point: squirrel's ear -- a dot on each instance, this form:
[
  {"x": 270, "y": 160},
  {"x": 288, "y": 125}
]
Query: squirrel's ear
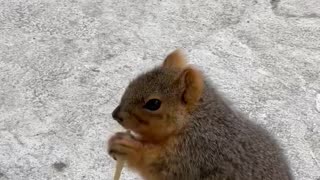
[
  {"x": 175, "y": 60},
  {"x": 192, "y": 83}
]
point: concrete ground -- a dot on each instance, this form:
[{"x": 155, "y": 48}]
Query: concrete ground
[{"x": 65, "y": 64}]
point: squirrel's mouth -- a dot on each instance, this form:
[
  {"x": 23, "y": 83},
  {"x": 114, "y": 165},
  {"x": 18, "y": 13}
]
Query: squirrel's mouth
[{"x": 132, "y": 125}]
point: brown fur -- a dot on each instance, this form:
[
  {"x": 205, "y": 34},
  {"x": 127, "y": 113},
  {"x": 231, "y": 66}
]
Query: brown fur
[{"x": 194, "y": 135}]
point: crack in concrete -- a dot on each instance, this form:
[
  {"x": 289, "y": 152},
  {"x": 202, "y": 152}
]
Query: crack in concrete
[
  {"x": 18, "y": 139},
  {"x": 307, "y": 16},
  {"x": 313, "y": 156},
  {"x": 275, "y": 9}
]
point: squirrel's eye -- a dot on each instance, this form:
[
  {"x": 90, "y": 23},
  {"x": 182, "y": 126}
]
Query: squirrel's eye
[{"x": 152, "y": 104}]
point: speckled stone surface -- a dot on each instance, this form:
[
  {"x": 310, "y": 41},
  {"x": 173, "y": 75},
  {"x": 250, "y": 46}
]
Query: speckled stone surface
[{"x": 65, "y": 64}]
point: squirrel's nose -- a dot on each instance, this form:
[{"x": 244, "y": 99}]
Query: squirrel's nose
[{"x": 115, "y": 114}]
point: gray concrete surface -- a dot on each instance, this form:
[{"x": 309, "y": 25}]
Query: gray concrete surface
[{"x": 65, "y": 64}]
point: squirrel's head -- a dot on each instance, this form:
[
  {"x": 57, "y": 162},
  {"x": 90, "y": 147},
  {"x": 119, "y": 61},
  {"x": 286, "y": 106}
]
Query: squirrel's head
[{"x": 156, "y": 104}]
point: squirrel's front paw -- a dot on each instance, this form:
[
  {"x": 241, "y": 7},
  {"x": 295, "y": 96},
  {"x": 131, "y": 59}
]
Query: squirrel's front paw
[{"x": 123, "y": 145}]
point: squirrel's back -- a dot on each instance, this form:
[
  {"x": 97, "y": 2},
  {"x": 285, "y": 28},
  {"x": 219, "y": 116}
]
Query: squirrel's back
[{"x": 219, "y": 143}]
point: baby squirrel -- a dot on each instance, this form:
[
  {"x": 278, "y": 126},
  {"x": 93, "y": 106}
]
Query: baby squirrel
[{"x": 186, "y": 131}]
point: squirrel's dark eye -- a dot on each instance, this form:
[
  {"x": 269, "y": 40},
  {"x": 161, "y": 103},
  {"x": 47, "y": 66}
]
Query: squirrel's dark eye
[{"x": 152, "y": 104}]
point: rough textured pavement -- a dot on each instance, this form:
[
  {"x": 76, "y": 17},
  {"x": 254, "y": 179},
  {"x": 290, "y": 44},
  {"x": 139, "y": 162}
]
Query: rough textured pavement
[{"x": 65, "y": 64}]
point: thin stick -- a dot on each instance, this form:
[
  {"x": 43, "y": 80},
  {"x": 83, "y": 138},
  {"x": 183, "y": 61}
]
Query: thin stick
[{"x": 119, "y": 167}]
